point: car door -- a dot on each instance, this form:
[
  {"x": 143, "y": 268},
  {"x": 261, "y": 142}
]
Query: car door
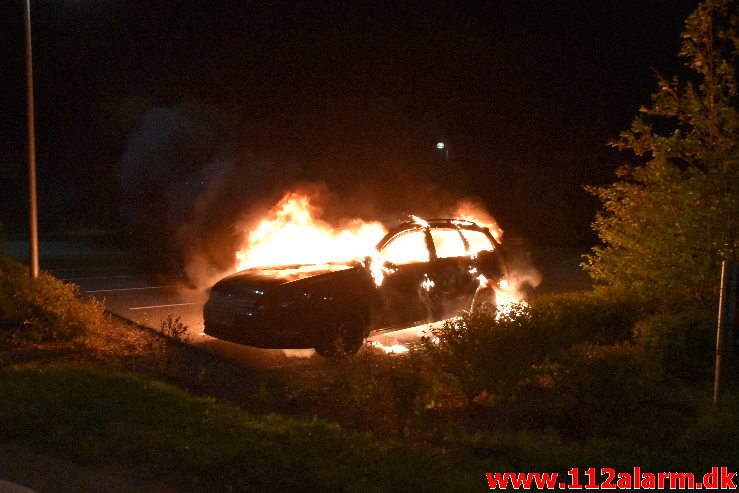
[
  {"x": 403, "y": 294},
  {"x": 452, "y": 273}
]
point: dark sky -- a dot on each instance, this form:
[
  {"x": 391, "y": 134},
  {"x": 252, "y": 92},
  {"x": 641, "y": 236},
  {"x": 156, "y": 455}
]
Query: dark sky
[{"x": 355, "y": 94}]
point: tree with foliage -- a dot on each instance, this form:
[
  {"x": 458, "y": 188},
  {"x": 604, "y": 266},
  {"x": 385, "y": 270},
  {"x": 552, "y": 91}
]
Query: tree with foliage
[{"x": 669, "y": 221}]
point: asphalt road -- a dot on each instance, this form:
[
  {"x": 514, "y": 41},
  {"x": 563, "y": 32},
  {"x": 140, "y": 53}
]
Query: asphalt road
[{"x": 148, "y": 300}]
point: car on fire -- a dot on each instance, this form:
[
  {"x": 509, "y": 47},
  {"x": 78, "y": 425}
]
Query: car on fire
[{"x": 421, "y": 271}]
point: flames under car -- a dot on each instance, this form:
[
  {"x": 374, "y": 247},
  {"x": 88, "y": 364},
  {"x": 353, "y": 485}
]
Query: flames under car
[{"x": 423, "y": 271}]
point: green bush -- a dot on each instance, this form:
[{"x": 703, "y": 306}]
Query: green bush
[
  {"x": 711, "y": 437},
  {"x": 489, "y": 351},
  {"x": 373, "y": 391},
  {"x": 590, "y": 391},
  {"x": 606, "y": 390},
  {"x": 42, "y": 309},
  {"x": 485, "y": 351},
  {"x": 683, "y": 341},
  {"x": 411, "y": 387},
  {"x": 174, "y": 328},
  {"x": 583, "y": 317}
]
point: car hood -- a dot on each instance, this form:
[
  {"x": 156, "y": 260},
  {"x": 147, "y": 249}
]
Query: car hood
[{"x": 274, "y": 275}]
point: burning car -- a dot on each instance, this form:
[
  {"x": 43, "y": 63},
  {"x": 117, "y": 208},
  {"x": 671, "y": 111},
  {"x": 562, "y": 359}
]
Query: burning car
[{"x": 419, "y": 272}]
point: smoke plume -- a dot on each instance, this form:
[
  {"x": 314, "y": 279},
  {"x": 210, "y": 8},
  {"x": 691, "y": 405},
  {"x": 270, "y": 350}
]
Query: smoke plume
[{"x": 194, "y": 191}]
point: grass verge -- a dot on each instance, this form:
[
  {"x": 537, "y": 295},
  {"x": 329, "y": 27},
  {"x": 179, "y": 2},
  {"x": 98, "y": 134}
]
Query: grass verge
[
  {"x": 558, "y": 386},
  {"x": 100, "y": 417}
]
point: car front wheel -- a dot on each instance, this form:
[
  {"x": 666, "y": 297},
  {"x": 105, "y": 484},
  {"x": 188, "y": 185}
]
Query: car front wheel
[{"x": 345, "y": 337}]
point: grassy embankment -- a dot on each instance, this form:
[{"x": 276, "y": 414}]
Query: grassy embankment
[{"x": 572, "y": 381}]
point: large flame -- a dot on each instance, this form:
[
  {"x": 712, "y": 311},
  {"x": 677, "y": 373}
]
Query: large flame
[
  {"x": 471, "y": 210},
  {"x": 293, "y": 233}
]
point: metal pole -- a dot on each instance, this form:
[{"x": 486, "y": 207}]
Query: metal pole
[
  {"x": 33, "y": 222},
  {"x": 724, "y": 332}
]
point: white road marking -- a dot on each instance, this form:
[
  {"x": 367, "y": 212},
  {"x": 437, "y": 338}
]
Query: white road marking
[
  {"x": 98, "y": 277},
  {"x": 127, "y": 289},
  {"x": 165, "y": 306}
]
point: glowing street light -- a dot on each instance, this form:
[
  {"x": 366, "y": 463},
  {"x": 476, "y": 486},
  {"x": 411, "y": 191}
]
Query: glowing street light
[{"x": 443, "y": 147}]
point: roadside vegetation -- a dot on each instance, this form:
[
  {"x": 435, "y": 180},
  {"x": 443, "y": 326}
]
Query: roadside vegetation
[
  {"x": 99, "y": 417},
  {"x": 42, "y": 309},
  {"x": 572, "y": 380},
  {"x": 670, "y": 219},
  {"x": 618, "y": 377}
]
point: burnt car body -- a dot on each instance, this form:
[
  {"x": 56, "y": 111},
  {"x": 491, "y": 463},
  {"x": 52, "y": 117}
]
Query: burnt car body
[{"x": 334, "y": 307}]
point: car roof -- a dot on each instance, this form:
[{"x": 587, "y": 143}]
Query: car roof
[
  {"x": 453, "y": 223},
  {"x": 436, "y": 223}
]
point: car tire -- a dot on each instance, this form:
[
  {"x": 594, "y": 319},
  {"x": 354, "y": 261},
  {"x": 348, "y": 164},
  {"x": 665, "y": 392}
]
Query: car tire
[
  {"x": 484, "y": 296},
  {"x": 346, "y": 337}
]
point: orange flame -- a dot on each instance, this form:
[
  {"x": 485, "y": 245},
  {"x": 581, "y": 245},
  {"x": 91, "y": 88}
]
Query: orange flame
[
  {"x": 293, "y": 233},
  {"x": 472, "y": 210}
]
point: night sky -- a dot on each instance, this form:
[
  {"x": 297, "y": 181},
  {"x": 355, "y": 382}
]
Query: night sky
[{"x": 144, "y": 101}]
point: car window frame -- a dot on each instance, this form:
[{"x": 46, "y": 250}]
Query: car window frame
[
  {"x": 428, "y": 242},
  {"x": 460, "y": 224},
  {"x": 452, "y": 227}
]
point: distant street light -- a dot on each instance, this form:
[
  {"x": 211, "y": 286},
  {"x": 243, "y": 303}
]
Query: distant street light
[
  {"x": 33, "y": 223},
  {"x": 443, "y": 147}
]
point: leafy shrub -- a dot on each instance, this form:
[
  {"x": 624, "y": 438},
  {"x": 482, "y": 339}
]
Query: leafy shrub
[
  {"x": 522, "y": 450},
  {"x": 489, "y": 351},
  {"x": 711, "y": 437},
  {"x": 484, "y": 351},
  {"x": 411, "y": 386},
  {"x": 174, "y": 328},
  {"x": 575, "y": 318},
  {"x": 42, "y": 309},
  {"x": 683, "y": 341},
  {"x": 372, "y": 391},
  {"x": 606, "y": 390}
]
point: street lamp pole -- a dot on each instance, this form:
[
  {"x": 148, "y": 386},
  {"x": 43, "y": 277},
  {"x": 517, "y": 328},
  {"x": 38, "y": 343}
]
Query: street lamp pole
[{"x": 33, "y": 222}]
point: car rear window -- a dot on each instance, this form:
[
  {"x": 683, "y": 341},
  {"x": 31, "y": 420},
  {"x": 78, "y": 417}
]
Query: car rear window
[{"x": 477, "y": 240}]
